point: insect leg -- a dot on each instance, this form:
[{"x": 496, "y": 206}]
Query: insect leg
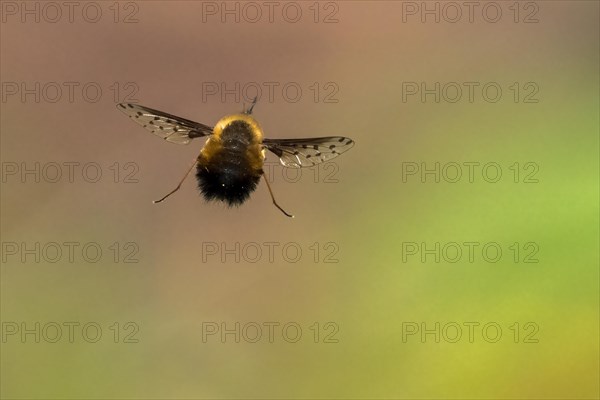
[
  {"x": 180, "y": 182},
  {"x": 273, "y": 197}
]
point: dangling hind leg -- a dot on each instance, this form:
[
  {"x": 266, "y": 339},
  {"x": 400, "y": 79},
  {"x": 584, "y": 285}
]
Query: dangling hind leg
[
  {"x": 273, "y": 197},
  {"x": 179, "y": 185}
]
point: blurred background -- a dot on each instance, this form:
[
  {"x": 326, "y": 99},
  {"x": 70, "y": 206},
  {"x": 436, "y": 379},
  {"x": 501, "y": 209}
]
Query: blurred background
[{"x": 371, "y": 291}]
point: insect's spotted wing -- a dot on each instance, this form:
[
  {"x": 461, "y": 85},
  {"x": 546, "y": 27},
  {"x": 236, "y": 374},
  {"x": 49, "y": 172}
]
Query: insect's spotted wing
[
  {"x": 169, "y": 127},
  {"x": 299, "y": 153}
]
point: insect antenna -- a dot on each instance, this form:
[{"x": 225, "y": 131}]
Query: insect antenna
[
  {"x": 249, "y": 111},
  {"x": 273, "y": 197},
  {"x": 179, "y": 185}
]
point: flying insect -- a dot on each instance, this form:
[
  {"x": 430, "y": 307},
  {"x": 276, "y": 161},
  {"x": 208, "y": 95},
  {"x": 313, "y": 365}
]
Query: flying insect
[{"x": 230, "y": 163}]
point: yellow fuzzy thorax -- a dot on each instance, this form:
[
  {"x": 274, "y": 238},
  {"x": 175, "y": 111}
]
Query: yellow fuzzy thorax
[{"x": 228, "y": 119}]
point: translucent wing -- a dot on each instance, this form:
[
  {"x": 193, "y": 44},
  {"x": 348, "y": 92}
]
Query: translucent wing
[
  {"x": 169, "y": 127},
  {"x": 299, "y": 153}
]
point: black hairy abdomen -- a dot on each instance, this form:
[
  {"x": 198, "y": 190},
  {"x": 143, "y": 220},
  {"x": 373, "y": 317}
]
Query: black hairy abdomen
[
  {"x": 228, "y": 175},
  {"x": 227, "y": 180}
]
